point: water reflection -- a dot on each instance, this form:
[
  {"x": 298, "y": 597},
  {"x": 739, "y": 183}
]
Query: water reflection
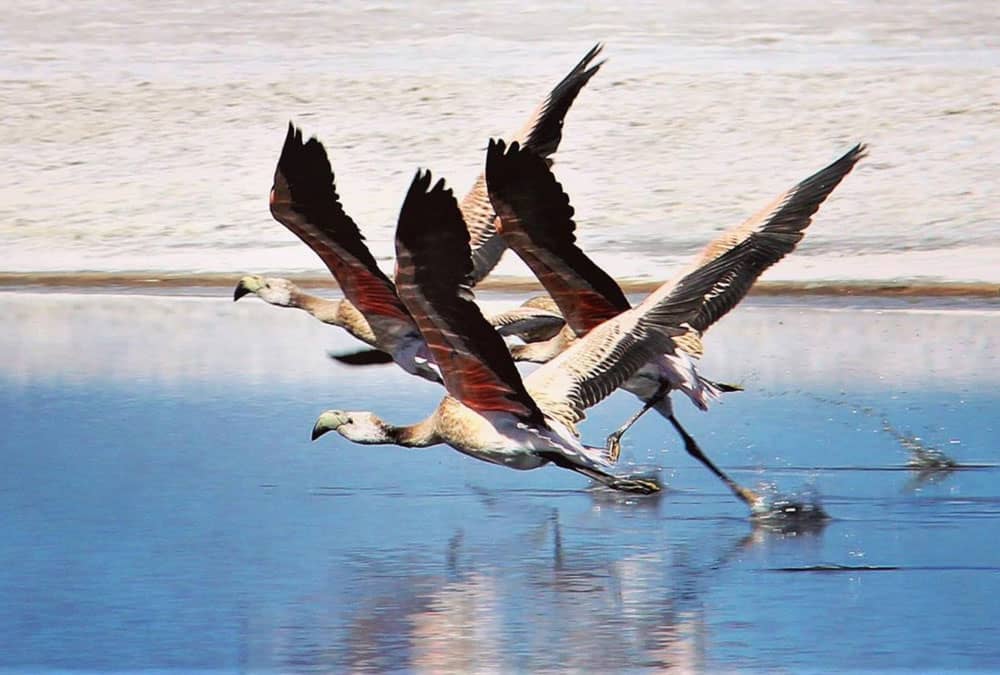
[
  {"x": 548, "y": 596},
  {"x": 921, "y": 478},
  {"x": 170, "y": 340},
  {"x": 170, "y": 512}
]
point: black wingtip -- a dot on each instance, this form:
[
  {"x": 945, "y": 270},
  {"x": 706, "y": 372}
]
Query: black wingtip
[
  {"x": 293, "y": 138},
  {"x": 546, "y": 135},
  {"x": 514, "y": 164},
  {"x": 495, "y": 152},
  {"x": 300, "y": 159},
  {"x": 291, "y": 135},
  {"x": 847, "y": 161},
  {"x": 814, "y": 190},
  {"x": 421, "y": 180},
  {"x": 421, "y": 184},
  {"x": 431, "y": 231},
  {"x": 590, "y": 56},
  {"x": 858, "y": 152},
  {"x": 423, "y": 195}
]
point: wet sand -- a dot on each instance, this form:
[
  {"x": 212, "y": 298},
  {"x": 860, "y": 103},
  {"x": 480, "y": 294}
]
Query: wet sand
[
  {"x": 205, "y": 284},
  {"x": 169, "y": 511}
]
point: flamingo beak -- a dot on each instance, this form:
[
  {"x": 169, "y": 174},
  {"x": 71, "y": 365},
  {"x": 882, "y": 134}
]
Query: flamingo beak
[
  {"x": 318, "y": 430},
  {"x": 330, "y": 420},
  {"x": 240, "y": 290}
]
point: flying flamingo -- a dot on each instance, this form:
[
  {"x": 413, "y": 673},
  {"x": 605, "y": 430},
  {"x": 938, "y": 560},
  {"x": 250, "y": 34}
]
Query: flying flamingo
[
  {"x": 490, "y": 413},
  {"x": 537, "y": 224},
  {"x": 304, "y": 199}
]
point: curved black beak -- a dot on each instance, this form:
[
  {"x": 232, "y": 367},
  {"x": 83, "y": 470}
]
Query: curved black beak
[
  {"x": 240, "y": 291},
  {"x": 317, "y": 432}
]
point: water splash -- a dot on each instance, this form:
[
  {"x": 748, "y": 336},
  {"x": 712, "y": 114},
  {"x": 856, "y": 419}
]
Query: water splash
[
  {"x": 790, "y": 512},
  {"x": 929, "y": 462},
  {"x": 923, "y": 457}
]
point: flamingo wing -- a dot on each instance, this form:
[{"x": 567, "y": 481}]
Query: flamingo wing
[
  {"x": 536, "y": 222},
  {"x": 597, "y": 364},
  {"x": 542, "y": 133},
  {"x": 543, "y": 130},
  {"x": 434, "y": 279},
  {"x": 304, "y": 199},
  {"x": 775, "y": 231}
]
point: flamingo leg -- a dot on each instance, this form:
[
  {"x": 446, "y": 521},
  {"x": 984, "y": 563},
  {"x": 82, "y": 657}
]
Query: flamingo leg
[
  {"x": 613, "y": 444},
  {"x": 635, "y": 484},
  {"x": 746, "y": 495}
]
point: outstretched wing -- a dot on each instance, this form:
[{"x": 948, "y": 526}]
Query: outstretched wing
[
  {"x": 304, "y": 199},
  {"x": 542, "y": 133},
  {"x": 600, "y": 362},
  {"x": 775, "y": 231},
  {"x": 536, "y": 222},
  {"x": 543, "y": 130},
  {"x": 433, "y": 273}
]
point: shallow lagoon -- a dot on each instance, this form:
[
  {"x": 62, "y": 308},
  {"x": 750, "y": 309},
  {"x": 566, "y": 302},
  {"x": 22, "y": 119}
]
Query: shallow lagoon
[{"x": 164, "y": 507}]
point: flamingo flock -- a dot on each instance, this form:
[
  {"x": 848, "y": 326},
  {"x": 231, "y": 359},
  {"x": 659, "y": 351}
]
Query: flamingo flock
[{"x": 586, "y": 334}]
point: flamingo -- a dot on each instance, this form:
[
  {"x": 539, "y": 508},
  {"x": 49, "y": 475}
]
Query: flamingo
[
  {"x": 537, "y": 319},
  {"x": 304, "y": 199},
  {"x": 489, "y": 412},
  {"x": 537, "y": 224}
]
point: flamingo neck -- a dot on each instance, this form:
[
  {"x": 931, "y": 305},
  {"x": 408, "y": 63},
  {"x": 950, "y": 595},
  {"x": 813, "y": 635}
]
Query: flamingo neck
[
  {"x": 419, "y": 435},
  {"x": 376, "y": 431},
  {"x": 354, "y": 322},
  {"x": 542, "y": 352},
  {"x": 325, "y": 310}
]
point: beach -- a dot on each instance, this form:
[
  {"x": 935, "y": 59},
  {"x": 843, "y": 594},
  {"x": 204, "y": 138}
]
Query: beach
[
  {"x": 146, "y": 135},
  {"x": 172, "y": 513}
]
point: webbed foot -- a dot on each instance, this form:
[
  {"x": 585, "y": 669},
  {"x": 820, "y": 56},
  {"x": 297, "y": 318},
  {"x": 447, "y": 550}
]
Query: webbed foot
[{"x": 643, "y": 486}]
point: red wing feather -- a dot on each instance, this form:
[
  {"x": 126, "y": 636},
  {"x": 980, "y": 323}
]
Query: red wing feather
[
  {"x": 304, "y": 199},
  {"x": 537, "y": 223},
  {"x": 433, "y": 275}
]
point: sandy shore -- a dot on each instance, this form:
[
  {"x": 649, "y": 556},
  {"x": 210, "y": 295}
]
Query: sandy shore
[{"x": 207, "y": 283}]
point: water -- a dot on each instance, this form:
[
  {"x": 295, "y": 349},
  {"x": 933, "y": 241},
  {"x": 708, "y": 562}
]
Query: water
[
  {"x": 142, "y": 136},
  {"x": 165, "y": 509}
]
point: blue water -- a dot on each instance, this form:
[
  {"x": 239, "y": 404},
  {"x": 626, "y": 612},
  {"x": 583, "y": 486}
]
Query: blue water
[{"x": 166, "y": 510}]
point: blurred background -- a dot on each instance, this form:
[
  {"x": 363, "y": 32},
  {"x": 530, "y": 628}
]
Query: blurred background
[{"x": 142, "y": 136}]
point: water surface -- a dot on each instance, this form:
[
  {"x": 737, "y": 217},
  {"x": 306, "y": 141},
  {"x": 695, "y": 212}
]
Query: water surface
[{"x": 164, "y": 508}]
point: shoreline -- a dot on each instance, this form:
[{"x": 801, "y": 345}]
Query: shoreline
[{"x": 167, "y": 283}]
